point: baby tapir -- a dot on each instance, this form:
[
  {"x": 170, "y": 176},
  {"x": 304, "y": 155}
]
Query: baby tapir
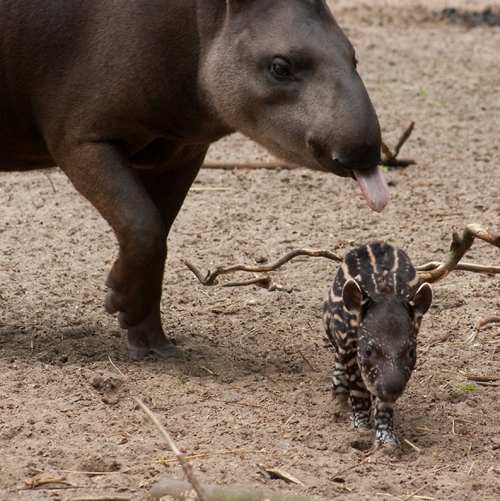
[{"x": 372, "y": 315}]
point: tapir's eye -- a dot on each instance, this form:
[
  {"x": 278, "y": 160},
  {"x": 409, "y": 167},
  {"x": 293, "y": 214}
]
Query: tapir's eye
[
  {"x": 280, "y": 68},
  {"x": 412, "y": 352},
  {"x": 368, "y": 351}
]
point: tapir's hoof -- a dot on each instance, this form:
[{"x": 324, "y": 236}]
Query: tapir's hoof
[
  {"x": 148, "y": 337},
  {"x": 387, "y": 446},
  {"x": 362, "y": 425},
  {"x": 364, "y": 428},
  {"x": 141, "y": 345}
]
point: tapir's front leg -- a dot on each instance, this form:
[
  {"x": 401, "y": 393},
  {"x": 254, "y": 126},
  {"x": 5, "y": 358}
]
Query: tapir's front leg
[
  {"x": 104, "y": 175},
  {"x": 167, "y": 189},
  {"x": 384, "y": 424},
  {"x": 360, "y": 397}
]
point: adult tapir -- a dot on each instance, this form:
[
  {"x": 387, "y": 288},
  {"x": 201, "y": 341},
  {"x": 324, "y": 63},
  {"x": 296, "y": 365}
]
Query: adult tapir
[{"x": 126, "y": 97}]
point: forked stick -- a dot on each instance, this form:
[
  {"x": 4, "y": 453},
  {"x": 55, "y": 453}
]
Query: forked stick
[
  {"x": 432, "y": 272},
  {"x": 390, "y": 158},
  {"x": 211, "y": 276},
  {"x": 429, "y": 272}
]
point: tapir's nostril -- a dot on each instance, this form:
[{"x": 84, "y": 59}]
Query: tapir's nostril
[{"x": 392, "y": 390}]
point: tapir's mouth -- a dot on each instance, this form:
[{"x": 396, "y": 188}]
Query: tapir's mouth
[
  {"x": 372, "y": 183},
  {"x": 373, "y": 187},
  {"x": 388, "y": 399},
  {"x": 364, "y": 170}
]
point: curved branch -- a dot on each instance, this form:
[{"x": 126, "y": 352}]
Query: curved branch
[
  {"x": 432, "y": 272},
  {"x": 476, "y": 268},
  {"x": 210, "y": 278},
  {"x": 487, "y": 321}
]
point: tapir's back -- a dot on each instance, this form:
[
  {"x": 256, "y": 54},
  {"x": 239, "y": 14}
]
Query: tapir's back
[
  {"x": 73, "y": 68},
  {"x": 32, "y": 44},
  {"x": 379, "y": 268}
]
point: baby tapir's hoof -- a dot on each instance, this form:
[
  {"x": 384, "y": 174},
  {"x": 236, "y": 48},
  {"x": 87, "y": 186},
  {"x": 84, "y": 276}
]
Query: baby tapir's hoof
[{"x": 389, "y": 443}]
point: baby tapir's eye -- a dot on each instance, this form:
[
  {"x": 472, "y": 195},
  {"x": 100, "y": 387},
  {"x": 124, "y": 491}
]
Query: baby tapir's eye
[
  {"x": 280, "y": 68},
  {"x": 412, "y": 352},
  {"x": 368, "y": 351}
]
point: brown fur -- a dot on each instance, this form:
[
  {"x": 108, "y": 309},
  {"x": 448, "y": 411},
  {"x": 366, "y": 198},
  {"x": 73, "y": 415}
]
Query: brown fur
[{"x": 126, "y": 97}]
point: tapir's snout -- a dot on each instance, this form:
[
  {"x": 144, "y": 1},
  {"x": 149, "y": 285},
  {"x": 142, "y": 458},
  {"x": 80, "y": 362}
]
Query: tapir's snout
[
  {"x": 362, "y": 164},
  {"x": 363, "y": 157},
  {"x": 359, "y": 151},
  {"x": 389, "y": 391},
  {"x": 351, "y": 146}
]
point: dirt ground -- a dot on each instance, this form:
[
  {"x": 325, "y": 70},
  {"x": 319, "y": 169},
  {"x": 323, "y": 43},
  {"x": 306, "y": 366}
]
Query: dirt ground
[{"x": 255, "y": 385}]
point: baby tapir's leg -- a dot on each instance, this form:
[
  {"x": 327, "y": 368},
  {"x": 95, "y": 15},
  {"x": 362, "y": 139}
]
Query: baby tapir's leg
[
  {"x": 360, "y": 397},
  {"x": 384, "y": 425},
  {"x": 340, "y": 386}
]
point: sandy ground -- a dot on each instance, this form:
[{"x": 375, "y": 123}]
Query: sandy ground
[{"x": 255, "y": 385}]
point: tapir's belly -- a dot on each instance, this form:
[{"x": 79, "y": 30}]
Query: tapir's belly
[{"x": 19, "y": 154}]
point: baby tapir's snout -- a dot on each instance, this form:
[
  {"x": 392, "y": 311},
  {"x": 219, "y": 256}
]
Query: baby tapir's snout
[
  {"x": 372, "y": 315},
  {"x": 387, "y": 381}
]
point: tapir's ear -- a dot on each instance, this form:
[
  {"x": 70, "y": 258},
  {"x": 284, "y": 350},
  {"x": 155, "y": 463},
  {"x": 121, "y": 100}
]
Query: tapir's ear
[
  {"x": 352, "y": 295},
  {"x": 422, "y": 300}
]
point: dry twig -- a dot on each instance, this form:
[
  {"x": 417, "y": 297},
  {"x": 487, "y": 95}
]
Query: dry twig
[
  {"x": 101, "y": 498},
  {"x": 413, "y": 446},
  {"x": 210, "y": 278},
  {"x": 390, "y": 159},
  {"x": 487, "y": 321},
  {"x": 432, "y": 272},
  {"x": 483, "y": 378},
  {"x": 178, "y": 454},
  {"x": 249, "y": 165},
  {"x": 418, "y": 491},
  {"x": 37, "y": 482},
  {"x": 208, "y": 454},
  {"x": 179, "y": 490}
]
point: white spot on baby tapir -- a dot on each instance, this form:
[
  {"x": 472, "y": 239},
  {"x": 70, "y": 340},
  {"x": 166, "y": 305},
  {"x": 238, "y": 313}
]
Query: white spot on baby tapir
[{"x": 381, "y": 324}]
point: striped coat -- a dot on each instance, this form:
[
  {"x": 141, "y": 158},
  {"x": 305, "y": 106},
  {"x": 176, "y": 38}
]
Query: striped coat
[{"x": 372, "y": 315}]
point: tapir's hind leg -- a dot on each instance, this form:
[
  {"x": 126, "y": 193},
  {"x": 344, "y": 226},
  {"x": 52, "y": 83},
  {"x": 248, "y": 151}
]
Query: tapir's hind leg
[
  {"x": 148, "y": 336},
  {"x": 104, "y": 175},
  {"x": 168, "y": 190}
]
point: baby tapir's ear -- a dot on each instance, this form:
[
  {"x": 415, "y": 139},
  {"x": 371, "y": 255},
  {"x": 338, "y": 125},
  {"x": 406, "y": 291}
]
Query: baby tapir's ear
[
  {"x": 422, "y": 300},
  {"x": 352, "y": 295}
]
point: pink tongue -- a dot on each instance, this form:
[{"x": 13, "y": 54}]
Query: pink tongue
[{"x": 373, "y": 187}]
